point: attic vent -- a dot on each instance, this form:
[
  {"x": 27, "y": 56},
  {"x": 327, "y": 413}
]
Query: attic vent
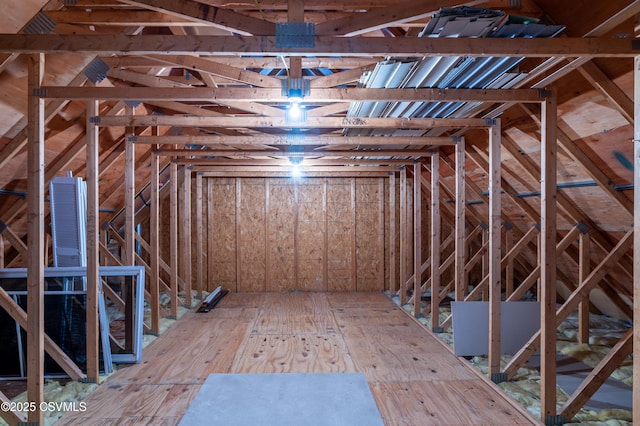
[
  {"x": 40, "y": 24},
  {"x": 96, "y": 71},
  {"x": 295, "y": 34}
]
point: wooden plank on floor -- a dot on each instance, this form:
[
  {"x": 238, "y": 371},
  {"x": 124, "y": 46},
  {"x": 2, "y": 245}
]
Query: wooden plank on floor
[{"x": 371, "y": 335}]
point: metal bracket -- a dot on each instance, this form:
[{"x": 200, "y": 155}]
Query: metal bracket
[
  {"x": 438, "y": 330},
  {"x": 507, "y": 225},
  {"x": 295, "y": 34},
  {"x": 544, "y": 94},
  {"x": 499, "y": 377},
  {"x": 40, "y": 92},
  {"x": 87, "y": 380},
  {"x": 555, "y": 420},
  {"x": 132, "y": 138},
  {"x": 95, "y": 119},
  {"x": 635, "y": 44},
  {"x": 582, "y": 227},
  {"x": 3, "y": 226},
  {"x": 483, "y": 225},
  {"x": 490, "y": 121}
]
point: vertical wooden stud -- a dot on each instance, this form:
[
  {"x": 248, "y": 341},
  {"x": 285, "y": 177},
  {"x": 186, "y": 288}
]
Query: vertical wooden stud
[
  {"x": 199, "y": 237},
  {"x": 403, "y": 236},
  {"x": 584, "y": 268},
  {"x": 494, "y": 254},
  {"x": 173, "y": 236},
  {"x": 381, "y": 236},
  {"x": 460, "y": 222},
  {"x": 35, "y": 239},
  {"x": 548, "y": 206},
  {"x": 392, "y": 233},
  {"x": 508, "y": 244},
  {"x": 417, "y": 238},
  {"x": 129, "y": 195},
  {"x": 154, "y": 241},
  {"x": 238, "y": 233},
  {"x": 185, "y": 233},
  {"x": 636, "y": 240},
  {"x": 211, "y": 252},
  {"x": 435, "y": 243}
]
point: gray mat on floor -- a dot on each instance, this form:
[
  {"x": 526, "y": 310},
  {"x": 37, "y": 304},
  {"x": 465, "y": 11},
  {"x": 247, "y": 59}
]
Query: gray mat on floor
[{"x": 310, "y": 399}]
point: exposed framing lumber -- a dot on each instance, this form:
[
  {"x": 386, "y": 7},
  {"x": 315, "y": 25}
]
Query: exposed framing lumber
[
  {"x": 279, "y": 122},
  {"x": 494, "y": 255},
  {"x": 93, "y": 261},
  {"x": 622, "y": 349},
  {"x": 417, "y": 238},
  {"x": 324, "y": 45},
  {"x": 210, "y": 235},
  {"x": 161, "y": 89},
  {"x": 199, "y": 237},
  {"x": 548, "y": 257},
  {"x": 184, "y": 195},
  {"x": 573, "y": 300},
  {"x": 460, "y": 221},
  {"x": 392, "y": 234},
  {"x": 508, "y": 275},
  {"x": 20, "y": 316},
  {"x": 214, "y": 16},
  {"x": 11, "y": 417},
  {"x": 13, "y": 239},
  {"x": 129, "y": 197},
  {"x": 636, "y": 238},
  {"x": 403, "y": 236},
  {"x": 584, "y": 267},
  {"x": 173, "y": 239},
  {"x": 154, "y": 243},
  {"x": 435, "y": 244},
  {"x": 35, "y": 239},
  {"x": 342, "y": 141}
]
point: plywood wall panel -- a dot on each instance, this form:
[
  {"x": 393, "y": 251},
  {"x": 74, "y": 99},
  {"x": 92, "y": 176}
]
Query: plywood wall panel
[
  {"x": 310, "y": 235},
  {"x": 278, "y": 234},
  {"x": 369, "y": 226},
  {"x": 340, "y": 236},
  {"x": 251, "y": 235},
  {"x": 222, "y": 224},
  {"x": 280, "y": 240}
]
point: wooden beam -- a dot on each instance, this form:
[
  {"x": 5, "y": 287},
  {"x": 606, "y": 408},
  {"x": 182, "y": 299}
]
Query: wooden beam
[
  {"x": 548, "y": 326},
  {"x": 435, "y": 244},
  {"x": 403, "y": 236},
  {"x": 571, "y": 303},
  {"x": 494, "y": 255},
  {"x": 20, "y": 316},
  {"x": 214, "y": 16},
  {"x": 278, "y": 122},
  {"x": 392, "y": 234},
  {"x": 324, "y": 45},
  {"x": 185, "y": 233},
  {"x": 12, "y": 418},
  {"x": 460, "y": 221},
  {"x": 154, "y": 242},
  {"x": 173, "y": 237},
  {"x": 622, "y": 349},
  {"x": 161, "y": 89},
  {"x": 383, "y": 17},
  {"x": 584, "y": 267},
  {"x": 610, "y": 90},
  {"x": 93, "y": 261},
  {"x": 417, "y": 238},
  {"x": 199, "y": 230},
  {"x": 129, "y": 198},
  {"x": 508, "y": 275},
  {"x": 15, "y": 241},
  {"x": 35, "y": 239},
  {"x": 636, "y": 239},
  {"x": 342, "y": 141}
]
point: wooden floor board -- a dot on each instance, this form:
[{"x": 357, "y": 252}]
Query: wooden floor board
[{"x": 414, "y": 379}]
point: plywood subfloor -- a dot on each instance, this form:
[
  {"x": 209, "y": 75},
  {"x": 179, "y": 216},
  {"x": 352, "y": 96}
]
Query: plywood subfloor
[{"x": 415, "y": 379}]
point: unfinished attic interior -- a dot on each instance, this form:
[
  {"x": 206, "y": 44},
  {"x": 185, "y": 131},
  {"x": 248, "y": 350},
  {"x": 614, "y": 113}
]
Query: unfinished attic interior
[{"x": 418, "y": 212}]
